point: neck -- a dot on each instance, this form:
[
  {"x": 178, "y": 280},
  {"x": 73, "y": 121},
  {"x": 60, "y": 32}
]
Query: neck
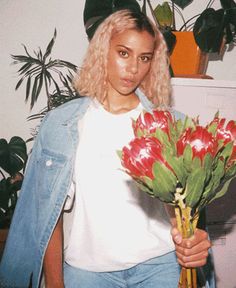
[{"x": 121, "y": 104}]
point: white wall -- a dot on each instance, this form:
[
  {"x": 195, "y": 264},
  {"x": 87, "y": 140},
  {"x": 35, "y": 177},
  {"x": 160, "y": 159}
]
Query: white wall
[{"x": 32, "y": 23}]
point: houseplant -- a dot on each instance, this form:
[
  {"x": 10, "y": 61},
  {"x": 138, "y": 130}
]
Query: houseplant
[
  {"x": 42, "y": 73},
  {"x": 210, "y": 30},
  {"x": 13, "y": 158}
]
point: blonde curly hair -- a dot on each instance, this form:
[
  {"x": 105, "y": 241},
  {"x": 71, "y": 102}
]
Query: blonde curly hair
[{"x": 91, "y": 79}]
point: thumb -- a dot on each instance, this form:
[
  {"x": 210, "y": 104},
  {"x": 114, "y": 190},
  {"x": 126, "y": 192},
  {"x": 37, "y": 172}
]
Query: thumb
[{"x": 176, "y": 236}]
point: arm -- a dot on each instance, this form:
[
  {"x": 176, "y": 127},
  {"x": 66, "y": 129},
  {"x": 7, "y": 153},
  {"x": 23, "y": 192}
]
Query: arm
[
  {"x": 53, "y": 260},
  {"x": 191, "y": 252}
]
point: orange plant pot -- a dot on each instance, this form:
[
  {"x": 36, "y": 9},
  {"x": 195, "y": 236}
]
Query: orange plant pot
[{"x": 187, "y": 58}]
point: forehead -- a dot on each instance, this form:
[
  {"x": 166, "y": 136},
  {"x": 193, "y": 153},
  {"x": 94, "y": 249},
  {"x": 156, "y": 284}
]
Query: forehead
[{"x": 134, "y": 40}]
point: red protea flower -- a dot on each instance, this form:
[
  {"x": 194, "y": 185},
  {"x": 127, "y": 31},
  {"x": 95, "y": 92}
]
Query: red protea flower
[
  {"x": 139, "y": 157},
  {"x": 227, "y": 134},
  {"x": 201, "y": 141},
  {"x": 149, "y": 122}
]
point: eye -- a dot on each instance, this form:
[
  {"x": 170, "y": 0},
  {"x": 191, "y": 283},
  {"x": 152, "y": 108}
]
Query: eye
[
  {"x": 123, "y": 53},
  {"x": 145, "y": 58}
]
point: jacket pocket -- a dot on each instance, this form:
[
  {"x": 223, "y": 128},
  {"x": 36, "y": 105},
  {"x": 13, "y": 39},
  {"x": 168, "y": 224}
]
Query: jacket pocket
[{"x": 50, "y": 168}]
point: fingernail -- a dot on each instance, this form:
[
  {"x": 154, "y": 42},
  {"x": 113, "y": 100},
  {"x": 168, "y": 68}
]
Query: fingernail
[{"x": 178, "y": 239}]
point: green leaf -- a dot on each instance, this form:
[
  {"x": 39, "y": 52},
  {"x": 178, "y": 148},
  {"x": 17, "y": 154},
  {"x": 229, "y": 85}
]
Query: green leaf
[
  {"x": 164, "y": 14},
  {"x": 222, "y": 190},
  {"x": 164, "y": 183},
  {"x": 24, "y": 68},
  {"x": 119, "y": 153},
  {"x": 28, "y": 86},
  {"x": 209, "y": 30},
  {"x": 34, "y": 92},
  {"x": 188, "y": 155},
  {"x": 145, "y": 188},
  {"x": 214, "y": 182},
  {"x": 195, "y": 187},
  {"x": 212, "y": 128},
  {"x": 176, "y": 163},
  {"x": 19, "y": 83},
  {"x": 148, "y": 182},
  {"x": 4, "y": 194},
  {"x": 182, "y": 3},
  {"x": 50, "y": 46},
  {"x": 13, "y": 155},
  {"x": 207, "y": 165},
  {"x": 162, "y": 137},
  {"x": 227, "y": 151},
  {"x": 231, "y": 172},
  {"x": 67, "y": 64},
  {"x": 196, "y": 163}
]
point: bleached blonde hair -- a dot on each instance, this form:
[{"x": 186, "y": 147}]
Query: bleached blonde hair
[{"x": 91, "y": 79}]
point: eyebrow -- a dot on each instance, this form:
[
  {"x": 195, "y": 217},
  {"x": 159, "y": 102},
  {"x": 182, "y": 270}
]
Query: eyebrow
[{"x": 129, "y": 49}]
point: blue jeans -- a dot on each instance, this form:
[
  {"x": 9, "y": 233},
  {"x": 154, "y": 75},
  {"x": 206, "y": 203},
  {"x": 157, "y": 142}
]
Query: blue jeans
[{"x": 159, "y": 272}]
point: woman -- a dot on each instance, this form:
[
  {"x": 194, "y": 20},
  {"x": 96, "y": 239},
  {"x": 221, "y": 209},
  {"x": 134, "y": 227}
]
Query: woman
[{"x": 117, "y": 237}]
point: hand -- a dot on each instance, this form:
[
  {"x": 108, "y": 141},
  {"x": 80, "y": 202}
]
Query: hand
[{"x": 191, "y": 252}]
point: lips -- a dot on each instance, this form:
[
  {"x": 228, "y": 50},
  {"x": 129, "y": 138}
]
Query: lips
[{"x": 128, "y": 82}]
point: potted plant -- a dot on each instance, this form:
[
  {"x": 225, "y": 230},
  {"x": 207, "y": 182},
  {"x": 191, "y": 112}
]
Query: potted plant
[
  {"x": 208, "y": 31},
  {"x": 13, "y": 158},
  {"x": 41, "y": 72}
]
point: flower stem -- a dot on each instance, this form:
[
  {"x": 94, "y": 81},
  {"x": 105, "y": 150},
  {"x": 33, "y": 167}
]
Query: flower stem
[{"x": 186, "y": 226}]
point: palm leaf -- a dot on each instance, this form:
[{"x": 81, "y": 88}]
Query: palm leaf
[{"x": 50, "y": 46}]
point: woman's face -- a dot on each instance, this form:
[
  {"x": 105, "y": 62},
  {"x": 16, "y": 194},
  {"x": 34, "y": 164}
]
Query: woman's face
[{"x": 129, "y": 61}]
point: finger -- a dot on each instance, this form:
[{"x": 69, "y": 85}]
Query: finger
[
  {"x": 199, "y": 237},
  {"x": 187, "y": 248},
  {"x": 195, "y": 260},
  {"x": 176, "y": 236}
]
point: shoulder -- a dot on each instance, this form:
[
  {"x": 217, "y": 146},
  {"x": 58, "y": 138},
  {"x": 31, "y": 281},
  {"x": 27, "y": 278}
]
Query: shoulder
[{"x": 66, "y": 112}]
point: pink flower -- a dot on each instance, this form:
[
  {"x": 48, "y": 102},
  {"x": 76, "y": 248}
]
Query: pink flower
[
  {"x": 149, "y": 122},
  {"x": 201, "y": 141},
  {"x": 140, "y": 156}
]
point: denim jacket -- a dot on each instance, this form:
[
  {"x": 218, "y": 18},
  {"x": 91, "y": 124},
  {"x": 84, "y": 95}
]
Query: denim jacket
[
  {"x": 46, "y": 184},
  {"x": 47, "y": 181}
]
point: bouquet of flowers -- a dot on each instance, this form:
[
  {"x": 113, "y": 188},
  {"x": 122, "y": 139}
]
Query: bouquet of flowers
[{"x": 183, "y": 164}]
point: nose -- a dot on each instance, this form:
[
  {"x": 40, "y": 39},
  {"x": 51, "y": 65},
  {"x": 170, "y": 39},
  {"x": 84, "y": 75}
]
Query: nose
[{"x": 132, "y": 66}]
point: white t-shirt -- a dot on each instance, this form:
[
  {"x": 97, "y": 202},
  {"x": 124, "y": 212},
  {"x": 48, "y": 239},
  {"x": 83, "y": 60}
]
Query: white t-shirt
[{"x": 115, "y": 225}]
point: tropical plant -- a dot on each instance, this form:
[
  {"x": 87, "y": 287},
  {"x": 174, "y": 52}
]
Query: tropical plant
[
  {"x": 13, "y": 158},
  {"x": 212, "y": 28},
  {"x": 40, "y": 71}
]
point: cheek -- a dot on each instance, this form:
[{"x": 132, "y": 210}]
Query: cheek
[
  {"x": 144, "y": 71},
  {"x": 119, "y": 64}
]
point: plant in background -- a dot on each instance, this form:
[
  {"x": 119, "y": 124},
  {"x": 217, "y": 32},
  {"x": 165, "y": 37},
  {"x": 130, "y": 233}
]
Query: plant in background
[
  {"x": 13, "y": 158},
  {"x": 212, "y": 28},
  {"x": 41, "y": 72},
  {"x": 183, "y": 164}
]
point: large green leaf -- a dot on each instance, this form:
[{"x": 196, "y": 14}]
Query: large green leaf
[
  {"x": 188, "y": 156},
  {"x": 96, "y": 11},
  {"x": 13, "y": 155},
  {"x": 182, "y": 3},
  {"x": 164, "y": 14},
  {"x": 222, "y": 190},
  {"x": 209, "y": 30},
  {"x": 195, "y": 186},
  {"x": 164, "y": 183}
]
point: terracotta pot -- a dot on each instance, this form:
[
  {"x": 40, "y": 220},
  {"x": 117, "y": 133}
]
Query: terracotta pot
[{"x": 187, "y": 58}]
